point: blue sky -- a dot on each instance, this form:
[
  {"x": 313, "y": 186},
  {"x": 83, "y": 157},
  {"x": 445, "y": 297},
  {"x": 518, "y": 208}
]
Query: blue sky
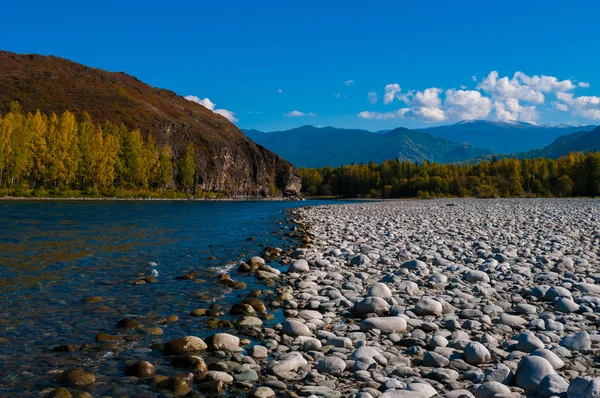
[{"x": 277, "y": 65}]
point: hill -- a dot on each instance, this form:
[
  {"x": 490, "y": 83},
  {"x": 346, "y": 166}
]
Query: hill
[
  {"x": 226, "y": 160},
  {"x": 309, "y": 146},
  {"x": 503, "y": 137},
  {"x": 581, "y": 141}
]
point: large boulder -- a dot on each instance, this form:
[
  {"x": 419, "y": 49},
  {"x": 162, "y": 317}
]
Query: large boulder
[
  {"x": 475, "y": 353},
  {"x": 299, "y": 266},
  {"x": 184, "y": 345},
  {"x": 386, "y": 324},
  {"x": 224, "y": 341},
  {"x": 371, "y": 305},
  {"x": 380, "y": 290},
  {"x": 428, "y": 307},
  {"x": 531, "y": 371},
  {"x": 295, "y": 328}
]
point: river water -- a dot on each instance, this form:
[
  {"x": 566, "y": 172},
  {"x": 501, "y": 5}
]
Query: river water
[{"x": 54, "y": 254}]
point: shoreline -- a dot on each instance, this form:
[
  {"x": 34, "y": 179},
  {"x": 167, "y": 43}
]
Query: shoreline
[
  {"x": 367, "y": 325},
  {"x": 411, "y": 298},
  {"x": 238, "y": 199}
]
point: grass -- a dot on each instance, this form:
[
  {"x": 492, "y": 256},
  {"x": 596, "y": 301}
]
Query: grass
[{"x": 113, "y": 193}]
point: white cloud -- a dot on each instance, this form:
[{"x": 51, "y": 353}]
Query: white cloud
[
  {"x": 207, "y": 103},
  {"x": 523, "y": 87},
  {"x": 399, "y": 114},
  {"x": 429, "y": 98},
  {"x": 372, "y": 97},
  {"x": 544, "y": 84},
  {"x": 504, "y": 88},
  {"x": 279, "y": 90},
  {"x": 426, "y": 114},
  {"x": 586, "y": 106},
  {"x": 474, "y": 78},
  {"x": 391, "y": 91},
  {"x": 510, "y": 109},
  {"x": 337, "y": 95},
  {"x": 520, "y": 98},
  {"x": 421, "y": 113},
  {"x": 560, "y": 106},
  {"x": 468, "y": 104},
  {"x": 296, "y": 113},
  {"x": 349, "y": 82}
]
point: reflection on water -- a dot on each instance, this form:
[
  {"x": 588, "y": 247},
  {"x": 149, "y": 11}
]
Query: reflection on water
[{"x": 54, "y": 254}]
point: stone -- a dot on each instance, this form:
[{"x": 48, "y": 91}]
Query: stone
[
  {"x": 476, "y": 353},
  {"x": 566, "y": 305},
  {"x": 552, "y": 385},
  {"x": 371, "y": 305},
  {"x": 422, "y": 388},
  {"x": 258, "y": 352},
  {"x": 250, "y": 322},
  {"x": 593, "y": 389},
  {"x": 184, "y": 345},
  {"x": 263, "y": 392},
  {"x": 380, "y": 290},
  {"x": 527, "y": 342},
  {"x": 129, "y": 323},
  {"x": 294, "y": 328},
  {"x": 60, "y": 392},
  {"x": 428, "y": 307},
  {"x": 360, "y": 259},
  {"x": 224, "y": 341},
  {"x": 141, "y": 369},
  {"x": 299, "y": 266},
  {"x": 490, "y": 389},
  {"x": 248, "y": 375},
  {"x": 551, "y": 357},
  {"x": 215, "y": 375},
  {"x": 402, "y": 394},
  {"x": 435, "y": 360},
  {"x": 78, "y": 378},
  {"x": 511, "y": 320},
  {"x": 288, "y": 362},
  {"x": 578, "y": 387},
  {"x": 579, "y": 341},
  {"x": 531, "y": 371},
  {"x": 387, "y": 324},
  {"x": 331, "y": 365},
  {"x": 475, "y": 276}
]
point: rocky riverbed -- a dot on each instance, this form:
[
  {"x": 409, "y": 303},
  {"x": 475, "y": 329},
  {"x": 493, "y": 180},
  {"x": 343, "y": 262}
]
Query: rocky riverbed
[{"x": 454, "y": 298}]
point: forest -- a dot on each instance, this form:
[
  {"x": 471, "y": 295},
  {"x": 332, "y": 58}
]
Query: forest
[
  {"x": 63, "y": 155},
  {"x": 54, "y": 155},
  {"x": 577, "y": 174}
]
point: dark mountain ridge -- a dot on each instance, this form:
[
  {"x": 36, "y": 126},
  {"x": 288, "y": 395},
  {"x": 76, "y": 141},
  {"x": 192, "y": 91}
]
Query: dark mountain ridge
[
  {"x": 580, "y": 141},
  {"x": 504, "y": 137},
  {"x": 226, "y": 159},
  {"x": 310, "y": 146}
]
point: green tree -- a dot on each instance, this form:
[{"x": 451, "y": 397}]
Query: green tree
[
  {"x": 187, "y": 168},
  {"x": 165, "y": 167}
]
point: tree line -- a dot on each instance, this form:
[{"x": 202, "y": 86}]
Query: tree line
[
  {"x": 59, "y": 152},
  {"x": 577, "y": 174}
]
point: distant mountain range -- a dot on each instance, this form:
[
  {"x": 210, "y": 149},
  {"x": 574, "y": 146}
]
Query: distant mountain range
[
  {"x": 309, "y": 146},
  {"x": 580, "y": 141},
  {"x": 504, "y": 137}
]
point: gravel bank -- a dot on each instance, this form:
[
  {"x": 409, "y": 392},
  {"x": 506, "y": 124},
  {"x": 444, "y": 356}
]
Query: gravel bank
[
  {"x": 449, "y": 298},
  {"x": 481, "y": 298}
]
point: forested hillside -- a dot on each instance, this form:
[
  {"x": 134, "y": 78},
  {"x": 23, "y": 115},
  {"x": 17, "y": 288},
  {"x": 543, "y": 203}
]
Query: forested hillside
[
  {"x": 577, "y": 174},
  {"x": 226, "y": 161},
  {"x": 53, "y": 153}
]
